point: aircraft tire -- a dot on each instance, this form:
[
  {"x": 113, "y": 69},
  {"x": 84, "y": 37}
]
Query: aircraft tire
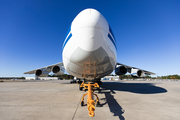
[{"x": 80, "y": 88}]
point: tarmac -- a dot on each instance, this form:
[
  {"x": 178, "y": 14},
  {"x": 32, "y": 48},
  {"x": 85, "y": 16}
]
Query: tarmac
[{"x": 60, "y": 100}]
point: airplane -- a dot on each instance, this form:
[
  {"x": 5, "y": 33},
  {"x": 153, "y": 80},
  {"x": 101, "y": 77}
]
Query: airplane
[{"x": 89, "y": 53}]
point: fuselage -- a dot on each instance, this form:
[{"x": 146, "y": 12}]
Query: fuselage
[{"x": 89, "y": 49}]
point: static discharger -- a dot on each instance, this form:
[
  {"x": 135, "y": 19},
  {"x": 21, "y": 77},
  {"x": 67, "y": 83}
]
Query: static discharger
[{"x": 90, "y": 101}]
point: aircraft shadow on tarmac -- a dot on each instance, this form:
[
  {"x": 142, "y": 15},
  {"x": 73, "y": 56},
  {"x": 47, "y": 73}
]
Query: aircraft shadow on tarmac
[
  {"x": 140, "y": 88},
  {"x": 114, "y": 106}
]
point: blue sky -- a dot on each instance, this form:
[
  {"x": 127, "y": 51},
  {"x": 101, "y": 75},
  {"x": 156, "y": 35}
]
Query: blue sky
[{"x": 32, "y": 32}]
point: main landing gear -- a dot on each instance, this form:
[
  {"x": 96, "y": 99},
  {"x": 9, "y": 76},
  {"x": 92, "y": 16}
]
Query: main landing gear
[{"x": 90, "y": 101}]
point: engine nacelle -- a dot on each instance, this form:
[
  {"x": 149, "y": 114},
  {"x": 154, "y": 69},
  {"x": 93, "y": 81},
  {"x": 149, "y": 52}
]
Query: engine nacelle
[
  {"x": 121, "y": 70},
  {"x": 136, "y": 73},
  {"x": 42, "y": 72},
  {"x": 58, "y": 70}
]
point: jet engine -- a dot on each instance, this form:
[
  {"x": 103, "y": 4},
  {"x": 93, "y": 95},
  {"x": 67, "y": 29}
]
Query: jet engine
[
  {"x": 42, "y": 72},
  {"x": 121, "y": 70},
  {"x": 58, "y": 70},
  {"x": 137, "y": 73}
]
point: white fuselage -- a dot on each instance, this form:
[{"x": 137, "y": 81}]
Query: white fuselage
[{"x": 89, "y": 49}]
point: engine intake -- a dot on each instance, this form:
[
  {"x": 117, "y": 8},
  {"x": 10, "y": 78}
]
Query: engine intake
[
  {"x": 121, "y": 70},
  {"x": 38, "y": 72},
  {"x": 137, "y": 73},
  {"x": 58, "y": 70},
  {"x": 42, "y": 73}
]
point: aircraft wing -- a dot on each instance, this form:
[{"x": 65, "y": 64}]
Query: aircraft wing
[
  {"x": 47, "y": 67},
  {"x": 129, "y": 67}
]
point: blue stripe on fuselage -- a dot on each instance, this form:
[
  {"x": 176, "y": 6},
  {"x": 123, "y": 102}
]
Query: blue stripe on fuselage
[
  {"x": 68, "y": 36},
  {"x": 110, "y": 30},
  {"x": 69, "y": 30},
  {"x": 112, "y": 40}
]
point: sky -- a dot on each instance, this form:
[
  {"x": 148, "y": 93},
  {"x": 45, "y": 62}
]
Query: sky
[{"x": 32, "y": 33}]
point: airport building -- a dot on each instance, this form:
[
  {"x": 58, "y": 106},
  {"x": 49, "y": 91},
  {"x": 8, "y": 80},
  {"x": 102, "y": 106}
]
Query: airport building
[
  {"x": 110, "y": 78},
  {"x": 42, "y": 78}
]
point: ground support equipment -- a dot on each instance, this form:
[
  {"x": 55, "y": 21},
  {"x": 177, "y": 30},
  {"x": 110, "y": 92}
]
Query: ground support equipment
[{"x": 90, "y": 97}]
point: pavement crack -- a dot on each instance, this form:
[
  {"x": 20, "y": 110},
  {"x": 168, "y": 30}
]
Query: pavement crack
[{"x": 77, "y": 108}]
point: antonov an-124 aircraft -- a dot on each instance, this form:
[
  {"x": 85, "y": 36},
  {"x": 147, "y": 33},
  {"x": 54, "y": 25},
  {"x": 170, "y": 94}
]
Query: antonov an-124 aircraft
[{"x": 89, "y": 53}]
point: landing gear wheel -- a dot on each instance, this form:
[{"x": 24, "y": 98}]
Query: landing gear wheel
[
  {"x": 82, "y": 103},
  {"x": 79, "y": 82},
  {"x": 99, "y": 82},
  {"x": 99, "y": 90},
  {"x": 80, "y": 88}
]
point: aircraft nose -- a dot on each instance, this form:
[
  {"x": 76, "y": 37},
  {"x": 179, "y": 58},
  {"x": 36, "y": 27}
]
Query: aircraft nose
[{"x": 89, "y": 18}]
